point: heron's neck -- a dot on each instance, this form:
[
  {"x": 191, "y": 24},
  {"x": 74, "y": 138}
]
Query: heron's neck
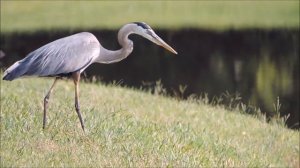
[{"x": 109, "y": 56}]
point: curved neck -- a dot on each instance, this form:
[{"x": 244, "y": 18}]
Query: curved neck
[{"x": 108, "y": 56}]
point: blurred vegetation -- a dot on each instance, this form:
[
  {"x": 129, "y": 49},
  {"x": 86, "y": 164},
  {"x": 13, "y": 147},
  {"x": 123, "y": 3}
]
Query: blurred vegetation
[{"x": 218, "y": 15}]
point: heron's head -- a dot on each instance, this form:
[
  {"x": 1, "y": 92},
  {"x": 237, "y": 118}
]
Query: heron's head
[{"x": 145, "y": 30}]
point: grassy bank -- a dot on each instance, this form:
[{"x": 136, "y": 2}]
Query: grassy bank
[
  {"x": 127, "y": 127},
  {"x": 36, "y": 15}
]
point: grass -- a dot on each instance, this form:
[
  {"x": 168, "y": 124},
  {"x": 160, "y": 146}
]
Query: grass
[
  {"x": 128, "y": 127},
  {"x": 219, "y": 15}
]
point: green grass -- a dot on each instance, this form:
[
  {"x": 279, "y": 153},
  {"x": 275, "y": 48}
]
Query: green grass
[
  {"x": 129, "y": 127},
  {"x": 220, "y": 15}
]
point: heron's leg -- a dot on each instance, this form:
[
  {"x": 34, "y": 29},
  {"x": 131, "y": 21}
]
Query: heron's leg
[
  {"x": 46, "y": 100},
  {"x": 76, "y": 78}
]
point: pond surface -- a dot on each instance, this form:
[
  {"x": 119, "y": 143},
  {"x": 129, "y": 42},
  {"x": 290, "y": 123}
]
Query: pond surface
[{"x": 262, "y": 66}]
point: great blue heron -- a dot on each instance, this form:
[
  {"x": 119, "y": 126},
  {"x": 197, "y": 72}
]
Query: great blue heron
[{"x": 71, "y": 55}]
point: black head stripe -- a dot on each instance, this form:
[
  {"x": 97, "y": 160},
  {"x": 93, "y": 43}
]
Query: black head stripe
[{"x": 143, "y": 25}]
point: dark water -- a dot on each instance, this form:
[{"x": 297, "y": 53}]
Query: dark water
[{"x": 260, "y": 65}]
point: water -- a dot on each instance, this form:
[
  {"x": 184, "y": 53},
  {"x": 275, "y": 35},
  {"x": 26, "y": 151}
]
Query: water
[{"x": 261, "y": 65}]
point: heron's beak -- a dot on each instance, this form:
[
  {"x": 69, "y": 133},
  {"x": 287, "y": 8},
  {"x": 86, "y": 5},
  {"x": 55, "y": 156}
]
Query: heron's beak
[
  {"x": 165, "y": 45},
  {"x": 157, "y": 40}
]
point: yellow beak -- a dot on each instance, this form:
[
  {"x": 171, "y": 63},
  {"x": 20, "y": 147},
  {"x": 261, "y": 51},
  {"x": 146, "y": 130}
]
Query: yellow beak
[{"x": 161, "y": 42}]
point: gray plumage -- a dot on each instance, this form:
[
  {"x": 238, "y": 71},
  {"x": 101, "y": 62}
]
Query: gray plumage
[
  {"x": 63, "y": 56},
  {"x": 71, "y": 55}
]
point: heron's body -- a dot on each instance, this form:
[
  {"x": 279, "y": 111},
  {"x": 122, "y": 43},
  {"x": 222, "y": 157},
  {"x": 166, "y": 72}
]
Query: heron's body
[
  {"x": 71, "y": 55},
  {"x": 41, "y": 61}
]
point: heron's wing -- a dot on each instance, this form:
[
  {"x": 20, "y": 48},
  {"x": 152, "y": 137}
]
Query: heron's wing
[{"x": 69, "y": 54}]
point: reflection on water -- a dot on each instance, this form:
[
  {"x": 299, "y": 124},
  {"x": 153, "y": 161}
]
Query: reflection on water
[{"x": 261, "y": 65}]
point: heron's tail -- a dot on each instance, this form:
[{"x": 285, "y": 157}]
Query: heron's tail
[{"x": 14, "y": 72}]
